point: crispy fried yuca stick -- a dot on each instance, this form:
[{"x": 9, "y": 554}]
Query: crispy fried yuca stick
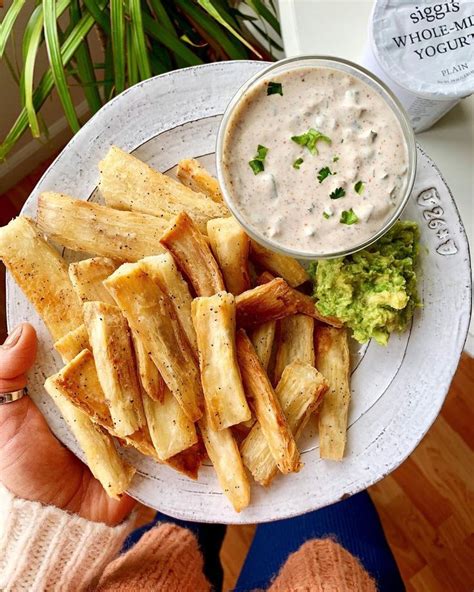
[
  {"x": 224, "y": 454},
  {"x": 230, "y": 246},
  {"x": 152, "y": 317},
  {"x": 87, "y": 276},
  {"x": 41, "y": 273},
  {"x": 162, "y": 269},
  {"x": 192, "y": 174},
  {"x": 280, "y": 265},
  {"x": 111, "y": 344},
  {"x": 149, "y": 375},
  {"x": 295, "y": 342},
  {"x": 193, "y": 256},
  {"x": 266, "y": 407},
  {"x": 214, "y": 321},
  {"x": 72, "y": 343},
  {"x": 262, "y": 338},
  {"x": 300, "y": 391},
  {"x": 92, "y": 228},
  {"x": 129, "y": 184},
  {"x": 101, "y": 455},
  {"x": 332, "y": 359}
]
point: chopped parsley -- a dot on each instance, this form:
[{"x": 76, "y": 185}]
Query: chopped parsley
[
  {"x": 310, "y": 139},
  {"x": 324, "y": 173},
  {"x": 335, "y": 158},
  {"x": 348, "y": 217},
  {"x": 326, "y": 215},
  {"x": 256, "y": 164},
  {"x": 359, "y": 187},
  {"x": 298, "y": 162},
  {"x": 274, "y": 88},
  {"x": 337, "y": 193}
]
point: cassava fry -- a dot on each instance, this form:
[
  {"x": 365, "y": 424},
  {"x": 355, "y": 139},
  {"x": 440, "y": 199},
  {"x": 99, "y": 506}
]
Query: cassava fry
[
  {"x": 163, "y": 270},
  {"x": 193, "y": 256},
  {"x": 152, "y": 317},
  {"x": 295, "y": 342},
  {"x": 149, "y": 375},
  {"x": 92, "y": 228},
  {"x": 87, "y": 276},
  {"x": 230, "y": 246},
  {"x": 195, "y": 176},
  {"x": 280, "y": 265},
  {"x": 267, "y": 409},
  {"x": 111, "y": 344},
  {"x": 300, "y": 391},
  {"x": 332, "y": 359},
  {"x": 72, "y": 343},
  {"x": 262, "y": 338},
  {"x": 41, "y": 273},
  {"x": 127, "y": 183},
  {"x": 214, "y": 321}
]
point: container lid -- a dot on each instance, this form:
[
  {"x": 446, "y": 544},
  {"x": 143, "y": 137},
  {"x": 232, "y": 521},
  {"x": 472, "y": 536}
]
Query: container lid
[{"x": 427, "y": 47}]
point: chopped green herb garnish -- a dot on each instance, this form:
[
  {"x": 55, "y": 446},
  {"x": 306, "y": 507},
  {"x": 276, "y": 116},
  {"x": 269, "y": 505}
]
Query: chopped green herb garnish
[
  {"x": 324, "y": 173},
  {"x": 337, "y": 193},
  {"x": 326, "y": 215},
  {"x": 298, "y": 162},
  {"x": 274, "y": 88},
  {"x": 359, "y": 187},
  {"x": 348, "y": 217},
  {"x": 310, "y": 138},
  {"x": 256, "y": 164},
  {"x": 335, "y": 158}
]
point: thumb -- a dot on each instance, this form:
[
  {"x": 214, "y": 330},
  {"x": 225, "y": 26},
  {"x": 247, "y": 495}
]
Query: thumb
[{"x": 17, "y": 355}]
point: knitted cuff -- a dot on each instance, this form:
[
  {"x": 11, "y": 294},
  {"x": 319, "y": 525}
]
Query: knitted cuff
[{"x": 45, "y": 548}]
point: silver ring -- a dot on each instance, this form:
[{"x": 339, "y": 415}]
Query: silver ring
[{"x": 12, "y": 396}]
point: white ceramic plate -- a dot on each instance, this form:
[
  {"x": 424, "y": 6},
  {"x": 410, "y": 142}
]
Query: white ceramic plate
[{"x": 397, "y": 391}]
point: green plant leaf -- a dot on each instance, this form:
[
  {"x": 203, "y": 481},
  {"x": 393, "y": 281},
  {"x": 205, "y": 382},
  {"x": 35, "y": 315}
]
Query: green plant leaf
[
  {"x": 117, "y": 27},
  {"x": 8, "y": 22},
  {"x": 100, "y": 16},
  {"x": 132, "y": 67},
  {"x": 138, "y": 39},
  {"x": 259, "y": 8},
  {"x": 162, "y": 16},
  {"x": 108, "y": 71}
]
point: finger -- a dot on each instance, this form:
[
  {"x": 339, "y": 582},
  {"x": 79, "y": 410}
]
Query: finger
[
  {"x": 18, "y": 352},
  {"x": 8, "y": 385}
]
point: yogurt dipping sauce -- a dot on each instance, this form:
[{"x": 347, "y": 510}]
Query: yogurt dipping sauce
[{"x": 314, "y": 160}]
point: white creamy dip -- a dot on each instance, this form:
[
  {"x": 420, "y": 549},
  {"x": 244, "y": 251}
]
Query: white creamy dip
[{"x": 334, "y": 184}]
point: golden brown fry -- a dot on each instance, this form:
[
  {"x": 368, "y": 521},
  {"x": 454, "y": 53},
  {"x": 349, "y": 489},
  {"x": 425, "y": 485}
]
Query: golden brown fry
[
  {"x": 214, "y": 321},
  {"x": 163, "y": 270},
  {"x": 41, "y": 273},
  {"x": 267, "y": 409},
  {"x": 188, "y": 461},
  {"x": 280, "y": 265},
  {"x": 193, "y": 256},
  {"x": 224, "y": 454},
  {"x": 262, "y": 338},
  {"x": 195, "y": 176},
  {"x": 92, "y": 228},
  {"x": 332, "y": 359},
  {"x": 300, "y": 391},
  {"x": 111, "y": 344},
  {"x": 129, "y": 184},
  {"x": 230, "y": 246},
  {"x": 295, "y": 342},
  {"x": 149, "y": 375},
  {"x": 72, "y": 343},
  {"x": 152, "y": 317},
  {"x": 87, "y": 276}
]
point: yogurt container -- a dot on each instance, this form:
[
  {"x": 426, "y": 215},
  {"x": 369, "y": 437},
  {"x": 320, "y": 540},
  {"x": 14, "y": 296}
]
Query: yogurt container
[{"x": 425, "y": 52}]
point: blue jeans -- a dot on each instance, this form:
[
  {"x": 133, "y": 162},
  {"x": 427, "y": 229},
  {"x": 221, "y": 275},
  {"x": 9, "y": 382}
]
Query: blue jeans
[{"x": 354, "y": 523}]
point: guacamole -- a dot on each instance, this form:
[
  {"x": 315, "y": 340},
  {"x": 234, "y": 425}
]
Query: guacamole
[{"x": 373, "y": 291}]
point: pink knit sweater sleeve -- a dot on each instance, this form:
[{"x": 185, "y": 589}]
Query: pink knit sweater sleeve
[{"x": 45, "y": 548}]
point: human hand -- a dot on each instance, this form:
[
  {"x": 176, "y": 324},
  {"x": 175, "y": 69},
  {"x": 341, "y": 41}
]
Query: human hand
[{"x": 34, "y": 465}]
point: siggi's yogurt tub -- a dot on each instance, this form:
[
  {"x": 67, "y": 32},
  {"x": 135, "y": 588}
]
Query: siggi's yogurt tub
[{"x": 425, "y": 52}]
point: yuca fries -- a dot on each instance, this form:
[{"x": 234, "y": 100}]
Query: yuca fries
[
  {"x": 87, "y": 276},
  {"x": 230, "y": 246},
  {"x": 111, "y": 344},
  {"x": 194, "y": 176},
  {"x": 281, "y": 265},
  {"x": 295, "y": 342},
  {"x": 42, "y": 275},
  {"x": 193, "y": 256},
  {"x": 92, "y": 228},
  {"x": 267, "y": 409},
  {"x": 214, "y": 321},
  {"x": 163, "y": 270},
  {"x": 72, "y": 343},
  {"x": 149, "y": 375},
  {"x": 152, "y": 317},
  {"x": 127, "y": 183},
  {"x": 262, "y": 338},
  {"x": 300, "y": 391},
  {"x": 333, "y": 360},
  {"x": 224, "y": 454}
]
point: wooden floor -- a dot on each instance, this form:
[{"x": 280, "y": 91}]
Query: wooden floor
[{"x": 426, "y": 505}]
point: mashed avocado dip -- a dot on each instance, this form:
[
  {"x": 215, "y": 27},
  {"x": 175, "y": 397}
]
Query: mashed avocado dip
[{"x": 373, "y": 291}]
